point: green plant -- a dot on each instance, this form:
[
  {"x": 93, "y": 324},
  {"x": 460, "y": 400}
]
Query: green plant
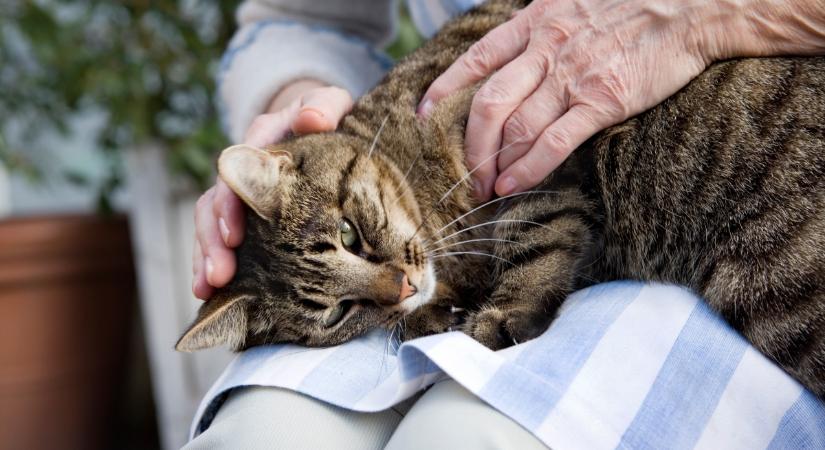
[{"x": 146, "y": 66}]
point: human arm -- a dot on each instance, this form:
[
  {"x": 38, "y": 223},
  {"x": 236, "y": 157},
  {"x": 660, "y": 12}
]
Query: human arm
[
  {"x": 560, "y": 71},
  {"x": 276, "y": 76}
]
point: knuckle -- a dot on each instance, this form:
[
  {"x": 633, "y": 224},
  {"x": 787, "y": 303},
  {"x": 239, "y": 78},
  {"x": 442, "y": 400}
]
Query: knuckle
[
  {"x": 515, "y": 129},
  {"x": 479, "y": 58},
  {"x": 558, "y": 34},
  {"x": 490, "y": 98},
  {"x": 612, "y": 92},
  {"x": 556, "y": 141}
]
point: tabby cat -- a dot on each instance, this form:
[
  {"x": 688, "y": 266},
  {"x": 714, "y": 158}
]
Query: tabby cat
[{"x": 720, "y": 188}]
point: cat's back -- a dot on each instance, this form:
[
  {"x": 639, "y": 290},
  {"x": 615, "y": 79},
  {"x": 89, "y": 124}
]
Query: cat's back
[{"x": 731, "y": 166}]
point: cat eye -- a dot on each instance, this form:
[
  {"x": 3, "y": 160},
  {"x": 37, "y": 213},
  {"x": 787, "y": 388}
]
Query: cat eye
[
  {"x": 337, "y": 312},
  {"x": 349, "y": 235}
]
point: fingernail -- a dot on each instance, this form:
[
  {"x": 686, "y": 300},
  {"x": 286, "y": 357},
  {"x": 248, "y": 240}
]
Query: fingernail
[
  {"x": 210, "y": 267},
  {"x": 224, "y": 231},
  {"x": 425, "y": 108},
  {"x": 507, "y": 186},
  {"x": 314, "y": 111}
]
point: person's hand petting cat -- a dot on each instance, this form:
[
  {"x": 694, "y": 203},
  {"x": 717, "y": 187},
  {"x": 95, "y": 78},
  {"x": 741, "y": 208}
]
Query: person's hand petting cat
[
  {"x": 304, "y": 106},
  {"x": 562, "y": 70}
]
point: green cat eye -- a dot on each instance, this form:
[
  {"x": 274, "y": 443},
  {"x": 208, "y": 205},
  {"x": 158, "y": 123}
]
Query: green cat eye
[
  {"x": 349, "y": 236},
  {"x": 334, "y": 315}
]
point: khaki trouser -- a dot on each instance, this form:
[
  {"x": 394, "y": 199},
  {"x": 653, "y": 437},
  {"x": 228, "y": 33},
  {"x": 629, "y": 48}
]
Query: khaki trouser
[{"x": 445, "y": 417}]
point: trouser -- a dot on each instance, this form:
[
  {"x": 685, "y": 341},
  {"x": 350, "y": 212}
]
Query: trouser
[{"x": 445, "y": 417}]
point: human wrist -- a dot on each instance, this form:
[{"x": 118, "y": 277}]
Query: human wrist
[
  {"x": 743, "y": 28},
  {"x": 292, "y": 91}
]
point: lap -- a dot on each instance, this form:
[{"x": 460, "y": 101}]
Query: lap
[
  {"x": 449, "y": 417},
  {"x": 445, "y": 417},
  {"x": 273, "y": 418}
]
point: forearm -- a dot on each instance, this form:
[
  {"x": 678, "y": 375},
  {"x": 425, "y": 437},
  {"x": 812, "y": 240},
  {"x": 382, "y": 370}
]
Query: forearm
[
  {"x": 735, "y": 28},
  {"x": 288, "y": 93},
  {"x": 283, "y": 41}
]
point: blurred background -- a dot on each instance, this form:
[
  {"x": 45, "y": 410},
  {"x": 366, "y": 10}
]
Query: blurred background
[{"x": 108, "y": 134}]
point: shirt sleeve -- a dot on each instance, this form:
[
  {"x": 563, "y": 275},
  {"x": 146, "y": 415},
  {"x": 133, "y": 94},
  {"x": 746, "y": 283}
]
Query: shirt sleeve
[{"x": 279, "y": 41}]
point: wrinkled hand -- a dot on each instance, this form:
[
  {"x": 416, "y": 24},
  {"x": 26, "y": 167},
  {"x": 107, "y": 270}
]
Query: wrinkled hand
[
  {"x": 219, "y": 214},
  {"x": 562, "y": 70}
]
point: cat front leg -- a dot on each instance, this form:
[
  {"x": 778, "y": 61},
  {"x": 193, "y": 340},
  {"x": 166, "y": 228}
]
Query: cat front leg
[{"x": 544, "y": 245}]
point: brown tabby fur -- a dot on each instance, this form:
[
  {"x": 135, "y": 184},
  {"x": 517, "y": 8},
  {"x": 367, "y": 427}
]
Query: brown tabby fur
[{"x": 720, "y": 188}]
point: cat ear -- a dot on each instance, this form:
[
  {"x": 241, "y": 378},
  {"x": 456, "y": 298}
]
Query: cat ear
[
  {"x": 254, "y": 175},
  {"x": 221, "y": 320}
]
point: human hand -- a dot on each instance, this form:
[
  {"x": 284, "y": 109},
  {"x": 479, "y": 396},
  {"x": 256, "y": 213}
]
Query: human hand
[
  {"x": 302, "y": 107},
  {"x": 562, "y": 70}
]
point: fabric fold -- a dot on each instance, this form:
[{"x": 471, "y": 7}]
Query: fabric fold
[{"x": 625, "y": 365}]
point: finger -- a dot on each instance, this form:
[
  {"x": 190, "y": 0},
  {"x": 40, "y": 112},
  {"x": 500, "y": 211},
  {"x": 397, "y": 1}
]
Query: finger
[
  {"x": 219, "y": 261},
  {"x": 200, "y": 287},
  {"x": 552, "y": 147},
  {"x": 321, "y": 110},
  {"x": 228, "y": 210},
  {"x": 267, "y": 129},
  {"x": 526, "y": 123},
  {"x": 497, "y": 48},
  {"x": 492, "y": 105}
]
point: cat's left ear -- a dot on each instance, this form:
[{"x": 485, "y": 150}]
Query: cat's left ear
[
  {"x": 255, "y": 175},
  {"x": 221, "y": 320}
]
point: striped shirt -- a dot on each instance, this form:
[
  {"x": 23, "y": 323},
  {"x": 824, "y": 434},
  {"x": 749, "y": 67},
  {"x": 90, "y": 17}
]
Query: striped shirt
[
  {"x": 625, "y": 365},
  {"x": 339, "y": 43}
]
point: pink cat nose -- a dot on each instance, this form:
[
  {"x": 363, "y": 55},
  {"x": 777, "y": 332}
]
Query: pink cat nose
[{"x": 407, "y": 289}]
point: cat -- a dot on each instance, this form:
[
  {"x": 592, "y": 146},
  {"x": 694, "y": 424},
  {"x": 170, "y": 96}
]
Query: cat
[{"x": 720, "y": 188}]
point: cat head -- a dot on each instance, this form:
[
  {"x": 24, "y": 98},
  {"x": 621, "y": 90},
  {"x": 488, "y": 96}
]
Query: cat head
[{"x": 332, "y": 247}]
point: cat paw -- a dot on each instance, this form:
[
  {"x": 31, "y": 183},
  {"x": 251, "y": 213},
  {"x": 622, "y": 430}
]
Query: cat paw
[
  {"x": 501, "y": 328},
  {"x": 431, "y": 319}
]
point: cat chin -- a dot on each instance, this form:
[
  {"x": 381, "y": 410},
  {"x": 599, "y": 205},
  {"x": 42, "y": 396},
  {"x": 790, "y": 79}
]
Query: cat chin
[{"x": 425, "y": 291}]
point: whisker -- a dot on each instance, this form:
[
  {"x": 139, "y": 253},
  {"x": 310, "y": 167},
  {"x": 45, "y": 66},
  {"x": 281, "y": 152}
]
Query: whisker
[
  {"x": 457, "y": 183},
  {"x": 406, "y": 174},
  {"x": 494, "y": 222},
  {"x": 478, "y": 166},
  {"x": 495, "y": 200},
  {"x": 377, "y": 134},
  {"x": 442, "y": 255},
  {"x": 475, "y": 240}
]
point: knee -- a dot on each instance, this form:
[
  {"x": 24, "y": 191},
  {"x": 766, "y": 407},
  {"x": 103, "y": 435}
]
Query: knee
[{"x": 449, "y": 417}]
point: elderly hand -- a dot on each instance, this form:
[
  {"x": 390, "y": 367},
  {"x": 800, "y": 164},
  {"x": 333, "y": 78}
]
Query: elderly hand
[
  {"x": 562, "y": 70},
  {"x": 302, "y": 107}
]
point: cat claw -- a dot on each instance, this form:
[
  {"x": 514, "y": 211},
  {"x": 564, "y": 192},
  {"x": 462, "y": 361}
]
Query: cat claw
[{"x": 455, "y": 309}]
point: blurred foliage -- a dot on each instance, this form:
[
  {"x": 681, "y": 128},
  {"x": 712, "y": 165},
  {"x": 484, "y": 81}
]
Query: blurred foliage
[
  {"x": 148, "y": 66},
  {"x": 408, "y": 38}
]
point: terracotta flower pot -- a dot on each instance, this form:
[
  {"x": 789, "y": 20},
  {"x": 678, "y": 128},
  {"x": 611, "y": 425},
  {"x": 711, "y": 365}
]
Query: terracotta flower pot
[{"x": 66, "y": 297}]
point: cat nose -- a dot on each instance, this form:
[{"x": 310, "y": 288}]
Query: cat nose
[{"x": 407, "y": 289}]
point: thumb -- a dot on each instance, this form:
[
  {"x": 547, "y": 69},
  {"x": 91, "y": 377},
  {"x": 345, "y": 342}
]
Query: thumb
[{"x": 321, "y": 110}]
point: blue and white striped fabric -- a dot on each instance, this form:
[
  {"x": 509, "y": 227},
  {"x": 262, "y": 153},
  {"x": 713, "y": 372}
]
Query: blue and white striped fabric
[{"x": 625, "y": 365}]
